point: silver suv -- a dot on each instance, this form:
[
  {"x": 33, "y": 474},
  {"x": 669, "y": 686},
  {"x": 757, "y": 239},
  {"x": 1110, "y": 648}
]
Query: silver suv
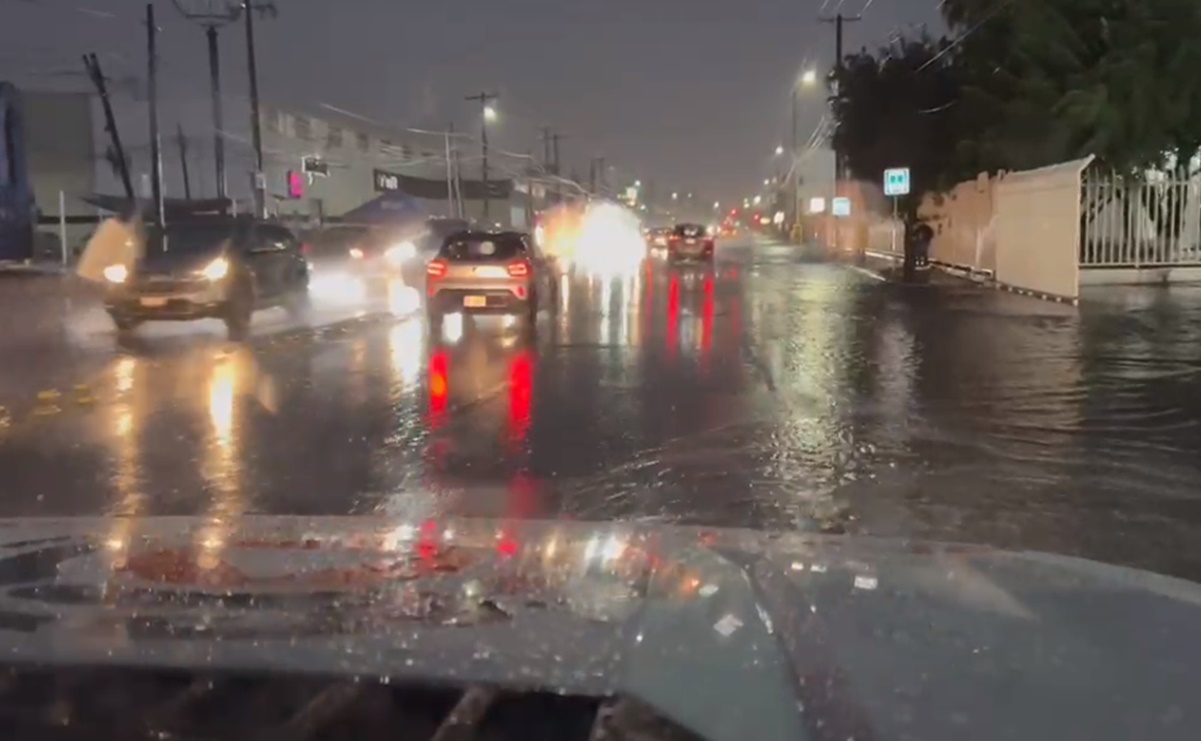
[{"x": 490, "y": 273}]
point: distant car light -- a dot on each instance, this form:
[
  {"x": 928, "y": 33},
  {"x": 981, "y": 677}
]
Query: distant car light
[
  {"x": 356, "y": 253},
  {"x": 216, "y": 270},
  {"x": 399, "y": 254},
  {"x": 116, "y": 273}
]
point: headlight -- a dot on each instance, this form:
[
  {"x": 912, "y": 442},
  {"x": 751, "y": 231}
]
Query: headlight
[
  {"x": 217, "y": 269},
  {"x": 356, "y": 253},
  {"x": 399, "y": 253},
  {"x": 116, "y": 273}
]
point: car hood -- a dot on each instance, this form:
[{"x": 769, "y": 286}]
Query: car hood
[
  {"x": 180, "y": 262},
  {"x": 735, "y": 634}
]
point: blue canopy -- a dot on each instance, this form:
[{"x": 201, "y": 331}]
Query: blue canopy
[{"x": 388, "y": 209}]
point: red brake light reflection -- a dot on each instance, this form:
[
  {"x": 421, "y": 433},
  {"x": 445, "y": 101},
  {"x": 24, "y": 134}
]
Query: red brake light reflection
[
  {"x": 521, "y": 395},
  {"x": 436, "y": 268},
  {"x": 439, "y": 386},
  {"x": 519, "y": 269}
]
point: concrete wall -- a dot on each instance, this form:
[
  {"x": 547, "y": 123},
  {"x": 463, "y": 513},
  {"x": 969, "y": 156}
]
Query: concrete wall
[{"x": 964, "y": 227}]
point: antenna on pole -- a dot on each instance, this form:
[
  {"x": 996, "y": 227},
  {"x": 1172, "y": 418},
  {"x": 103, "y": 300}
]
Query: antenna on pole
[{"x": 212, "y": 15}]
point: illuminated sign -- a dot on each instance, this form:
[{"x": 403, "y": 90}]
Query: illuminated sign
[
  {"x": 295, "y": 184},
  {"x": 817, "y": 205},
  {"x": 841, "y": 207},
  {"x": 386, "y": 182},
  {"x": 896, "y": 181}
]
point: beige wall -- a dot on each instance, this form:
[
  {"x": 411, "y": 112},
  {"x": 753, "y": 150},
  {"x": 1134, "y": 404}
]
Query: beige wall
[{"x": 1038, "y": 229}]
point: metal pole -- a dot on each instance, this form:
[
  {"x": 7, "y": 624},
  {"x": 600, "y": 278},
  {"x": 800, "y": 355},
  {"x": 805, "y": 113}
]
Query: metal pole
[
  {"x": 450, "y": 179},
  {"x": 484, "y": 164},
  {"x": 110, "y": 125},
  {"x": 256, "y": 130},
  {"x": 183, "y": 163},
  {"x": 218, "y": 115},
  {"x": 156, "y": 159},
  {"x": 794, "y": 210},
  {"x": 62, "y": 224}
]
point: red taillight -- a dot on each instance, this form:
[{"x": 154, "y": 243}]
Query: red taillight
[
  {"x": 519, "y": 269},
  {"x": 436, "y": 268}
]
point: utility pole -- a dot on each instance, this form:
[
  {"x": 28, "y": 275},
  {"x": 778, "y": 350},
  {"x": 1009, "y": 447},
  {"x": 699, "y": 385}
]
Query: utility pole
[
  {"x": 546, "y": 134},
  {"x": 156, "y": 156},
  {"x": 183, "y": 162},
  {"x": 550, "y": 148},
  {"x": 218, "y": 124},
  {"x": 92, "y": 63},
  {"x": 794, "y": 176},
  {"x": 256, "y": 128},
  {"x": 558, "y": 167},
  {"x": 838, "y": 21},
  {"x": 484, "y": 99},
  {"x": 212, "y": 15},
  {"x": 450, "y": 174}
]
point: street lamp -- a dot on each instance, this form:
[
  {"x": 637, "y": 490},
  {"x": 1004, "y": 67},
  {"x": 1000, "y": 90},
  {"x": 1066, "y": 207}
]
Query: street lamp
[
  {"x": 717, "y": 205},
  {"x": 758, "y": 200},
  {"x": 489, "y": 113},
  {"x": 809, "y": 78},
  {"x": 637, "y": 183},
  {"x": 779, "y": 149},
  {"x": 675, "y": 196}
]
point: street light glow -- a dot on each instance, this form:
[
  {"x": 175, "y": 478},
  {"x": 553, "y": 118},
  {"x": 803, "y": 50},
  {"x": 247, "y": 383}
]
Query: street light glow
[
  {"x": 758, "y": 200},
  {"x": 489, "y": 113},
  {"x": 766, "y": 181},
  {"x": 716, "y": 205},
  {"x": 779, "y": 149},
  {"x": 675, "y": 196},
  {"x": 809, "y": 77}
]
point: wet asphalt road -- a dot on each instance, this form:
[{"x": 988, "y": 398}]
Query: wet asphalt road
[{"x": 776, "y": 391}]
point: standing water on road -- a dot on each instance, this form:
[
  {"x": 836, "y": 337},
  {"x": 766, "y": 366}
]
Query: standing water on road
[{"x": 767, "y": 391}]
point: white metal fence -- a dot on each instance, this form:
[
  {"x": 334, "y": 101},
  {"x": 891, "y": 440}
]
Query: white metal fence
[{"x": 1138, "y": 223}]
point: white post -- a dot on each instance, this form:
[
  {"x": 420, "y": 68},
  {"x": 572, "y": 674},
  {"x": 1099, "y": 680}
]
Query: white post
[
  {"x": 894, "y": 224},
  {"x": 450, "y": 181},
  {"x": 62, "y": 225}
]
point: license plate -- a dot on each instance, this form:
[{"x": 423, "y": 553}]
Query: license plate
[
  {"x": 154, "y": 302},
  {"x": 691, "y": 241},
  {"x": 475, "y": 302}
]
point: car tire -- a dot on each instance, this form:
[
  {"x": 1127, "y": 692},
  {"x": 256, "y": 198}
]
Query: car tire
[
  {"x": 126, "y": 326},
  {"x": 237, "y": 316},
  {"x": 299, "y": 304}
]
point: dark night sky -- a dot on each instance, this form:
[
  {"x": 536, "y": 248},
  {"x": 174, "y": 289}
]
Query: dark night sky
[{"x": 690, "y": 93}]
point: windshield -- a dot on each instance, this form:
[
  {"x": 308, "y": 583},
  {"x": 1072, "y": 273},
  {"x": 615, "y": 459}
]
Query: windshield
[
  {"x": 488, "y": 247},
  {"x": 186, "y": 240},
  {"x": 632, "y": 290}
]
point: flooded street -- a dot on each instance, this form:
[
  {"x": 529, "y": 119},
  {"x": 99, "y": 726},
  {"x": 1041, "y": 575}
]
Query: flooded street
[{"x": 775, "y": 391}]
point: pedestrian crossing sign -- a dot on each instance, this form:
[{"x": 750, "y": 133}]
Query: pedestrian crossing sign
[{"x": 896, "y": 181}]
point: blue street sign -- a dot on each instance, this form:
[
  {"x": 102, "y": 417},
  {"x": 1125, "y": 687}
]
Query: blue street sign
[{"x": 896, "y": 181}]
